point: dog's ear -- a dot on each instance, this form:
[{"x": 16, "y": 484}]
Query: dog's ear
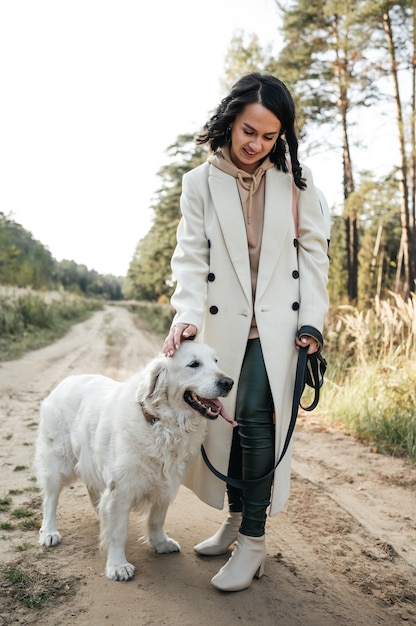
[{"x": 155, "y": 380}]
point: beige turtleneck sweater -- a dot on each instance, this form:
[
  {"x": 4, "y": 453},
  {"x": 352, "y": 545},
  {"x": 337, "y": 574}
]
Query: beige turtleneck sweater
[{"x": 251, "y": 188}]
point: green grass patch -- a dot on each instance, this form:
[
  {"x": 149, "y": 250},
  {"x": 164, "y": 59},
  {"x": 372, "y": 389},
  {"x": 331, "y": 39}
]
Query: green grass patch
[
  {"x": 377, "y": 404},
  {"x": 30, "y": 524},
  {"x": 157, "y": 315},
  {"x": 30, "y": 320},
  {"x": 13, "y": 575},
  {"x": 22, "y": 512},
  {"x": 25, "y": 585},
  {"x": 5, "y": 503}
]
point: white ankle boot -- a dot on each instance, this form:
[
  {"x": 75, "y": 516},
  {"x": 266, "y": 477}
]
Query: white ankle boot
[
  {"x": 223, "y": 538},
  {"x": 245, "y": 563}
]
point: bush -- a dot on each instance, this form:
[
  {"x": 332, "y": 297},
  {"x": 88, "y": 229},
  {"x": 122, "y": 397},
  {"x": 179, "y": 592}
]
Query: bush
[
  {"x": 159, "y": 315},
  {"x": 30, "y": 319},
  {"x": 371, "y": 377}
]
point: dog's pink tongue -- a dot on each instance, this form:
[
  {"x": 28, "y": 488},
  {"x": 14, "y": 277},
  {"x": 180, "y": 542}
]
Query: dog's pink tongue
[{"x": 224, "y": 413}]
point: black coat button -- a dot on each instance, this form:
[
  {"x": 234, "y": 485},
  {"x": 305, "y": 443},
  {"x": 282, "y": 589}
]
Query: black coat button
[
  {"x": 213, "y": 310},
  {"x": 211, "y": 277},
  {"x": 295, "y": 243},
  {"x": 295, "y": 274},
  {"x": 295, "y": 306}
]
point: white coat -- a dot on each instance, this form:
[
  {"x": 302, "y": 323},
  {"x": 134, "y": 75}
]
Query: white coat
[{"x": 211, "y": 265}]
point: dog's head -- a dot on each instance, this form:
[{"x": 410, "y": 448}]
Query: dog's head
[{"x": 191, "y": 378}]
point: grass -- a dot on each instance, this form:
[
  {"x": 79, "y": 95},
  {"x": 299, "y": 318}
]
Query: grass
[
  {"x": 28, "y": 518},
  {"x": 26, "y": 513},
  {"x": 30, "y": 524},
  {"x": 5, "y": 503},
  {"x": 24, "y": 584},
  {"x": 158, "y": 315},
  {"x": 371, "y": 379},
  {"x": 22, "y": 512},
  {"x": 31, "y": 319}
]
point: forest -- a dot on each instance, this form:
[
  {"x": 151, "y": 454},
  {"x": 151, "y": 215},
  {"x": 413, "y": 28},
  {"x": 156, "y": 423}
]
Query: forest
[
  {"x": 338, "y": 58},
  {"x": 26, "y": 262}
]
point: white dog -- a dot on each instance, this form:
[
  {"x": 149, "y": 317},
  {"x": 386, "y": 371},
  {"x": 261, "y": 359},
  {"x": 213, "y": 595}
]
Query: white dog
[{"x": 129, "y": 442}]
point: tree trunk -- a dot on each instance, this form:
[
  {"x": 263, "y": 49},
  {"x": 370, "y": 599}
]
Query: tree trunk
[
  {"x": 409, "y": 262},
  {"x": 413, "y": 137},
  {"x": 351, "y": 221}
]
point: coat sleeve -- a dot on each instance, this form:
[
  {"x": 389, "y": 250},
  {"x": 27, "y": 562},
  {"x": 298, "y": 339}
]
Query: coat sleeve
[
  {"x": 190, "y": 260},
  {"x": 312, "y": 258}
]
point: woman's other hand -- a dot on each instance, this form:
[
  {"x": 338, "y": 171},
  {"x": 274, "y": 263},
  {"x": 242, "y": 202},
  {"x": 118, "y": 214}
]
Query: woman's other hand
[
  {"x": 177, "y": 334},
  {"x": 307, "y": 340}
]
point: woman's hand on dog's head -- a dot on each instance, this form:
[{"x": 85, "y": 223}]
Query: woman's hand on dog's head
[{"x": 177, "y": 334}]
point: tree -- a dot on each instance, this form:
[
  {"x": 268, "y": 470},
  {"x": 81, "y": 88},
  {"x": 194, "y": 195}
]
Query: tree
[
  {"x": 149, "y": 276},
  {"x": 79, "y": 279},
  {"x": 379, "y": 235},
  {"x": 245, "y": 55},
  {"x": 324, "y": 62},
  {"x": 23, "y": 260},
  {"x": 393, "y": 25},
  {"x": 337, "y": 283}
]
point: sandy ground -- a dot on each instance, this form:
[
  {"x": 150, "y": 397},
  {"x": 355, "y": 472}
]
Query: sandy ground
[{"x": 343, "y": 552}]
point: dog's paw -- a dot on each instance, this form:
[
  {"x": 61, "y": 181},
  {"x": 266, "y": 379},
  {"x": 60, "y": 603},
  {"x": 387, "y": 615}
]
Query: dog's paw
[
  {"x": 49, "y": 539},
  {"x": 166, "y": 546},
  {"x": 124, "y": 571}
]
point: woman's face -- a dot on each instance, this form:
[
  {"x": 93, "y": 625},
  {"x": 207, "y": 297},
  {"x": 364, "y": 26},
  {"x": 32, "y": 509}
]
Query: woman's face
[{"x": 253, "y": 134}]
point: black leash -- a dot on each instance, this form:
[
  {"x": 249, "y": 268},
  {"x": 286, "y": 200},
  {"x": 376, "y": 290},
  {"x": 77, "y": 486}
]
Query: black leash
[{"x": 310, "y": 370}]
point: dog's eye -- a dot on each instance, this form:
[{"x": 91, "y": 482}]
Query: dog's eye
[{"x": 194, "y": 364}]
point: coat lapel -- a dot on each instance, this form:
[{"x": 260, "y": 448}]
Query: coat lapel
[
  {"x": 277, "y": 219},
  {"x": 228, "y": 208}
]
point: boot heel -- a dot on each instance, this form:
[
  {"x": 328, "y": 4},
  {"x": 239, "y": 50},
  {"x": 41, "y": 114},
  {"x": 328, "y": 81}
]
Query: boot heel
[
  {"x": 260, "y": 571},
  {"x": 245, "y": 563}
]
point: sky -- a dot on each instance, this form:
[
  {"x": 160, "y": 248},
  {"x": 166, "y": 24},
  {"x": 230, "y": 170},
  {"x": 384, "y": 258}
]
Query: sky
[{"x": 93, "y": 93}]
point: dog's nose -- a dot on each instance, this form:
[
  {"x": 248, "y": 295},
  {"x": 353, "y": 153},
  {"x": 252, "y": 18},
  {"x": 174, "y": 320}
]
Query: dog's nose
[{"x": 225, "y": 383}]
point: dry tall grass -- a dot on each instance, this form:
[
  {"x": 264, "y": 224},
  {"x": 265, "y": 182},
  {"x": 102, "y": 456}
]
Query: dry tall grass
[
  {"x": 30, "y": 319},
  {"x": 371, "y": 378}
]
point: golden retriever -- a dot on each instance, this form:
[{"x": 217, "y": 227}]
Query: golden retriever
[{"x": 129, "y": 442}]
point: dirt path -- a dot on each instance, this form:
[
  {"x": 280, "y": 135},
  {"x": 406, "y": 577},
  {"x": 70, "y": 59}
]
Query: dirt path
[{"x": 343, "y": 552}]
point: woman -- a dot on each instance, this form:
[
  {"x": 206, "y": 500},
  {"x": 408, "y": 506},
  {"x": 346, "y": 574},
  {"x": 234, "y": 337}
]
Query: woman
[{"x": 251, "y": 270}]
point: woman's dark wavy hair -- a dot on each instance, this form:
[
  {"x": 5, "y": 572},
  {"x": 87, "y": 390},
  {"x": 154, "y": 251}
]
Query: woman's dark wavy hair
[{"x": 272, "y": 94}]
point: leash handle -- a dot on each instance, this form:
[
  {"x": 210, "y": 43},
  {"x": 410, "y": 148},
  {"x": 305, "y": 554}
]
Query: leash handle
[{"x": 310, "y": 370}]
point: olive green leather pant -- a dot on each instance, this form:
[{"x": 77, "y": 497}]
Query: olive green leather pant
[{"x": 252, "y": 449}]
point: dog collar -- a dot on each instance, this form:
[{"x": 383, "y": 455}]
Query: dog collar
[{"x": 152, "y": 419}]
